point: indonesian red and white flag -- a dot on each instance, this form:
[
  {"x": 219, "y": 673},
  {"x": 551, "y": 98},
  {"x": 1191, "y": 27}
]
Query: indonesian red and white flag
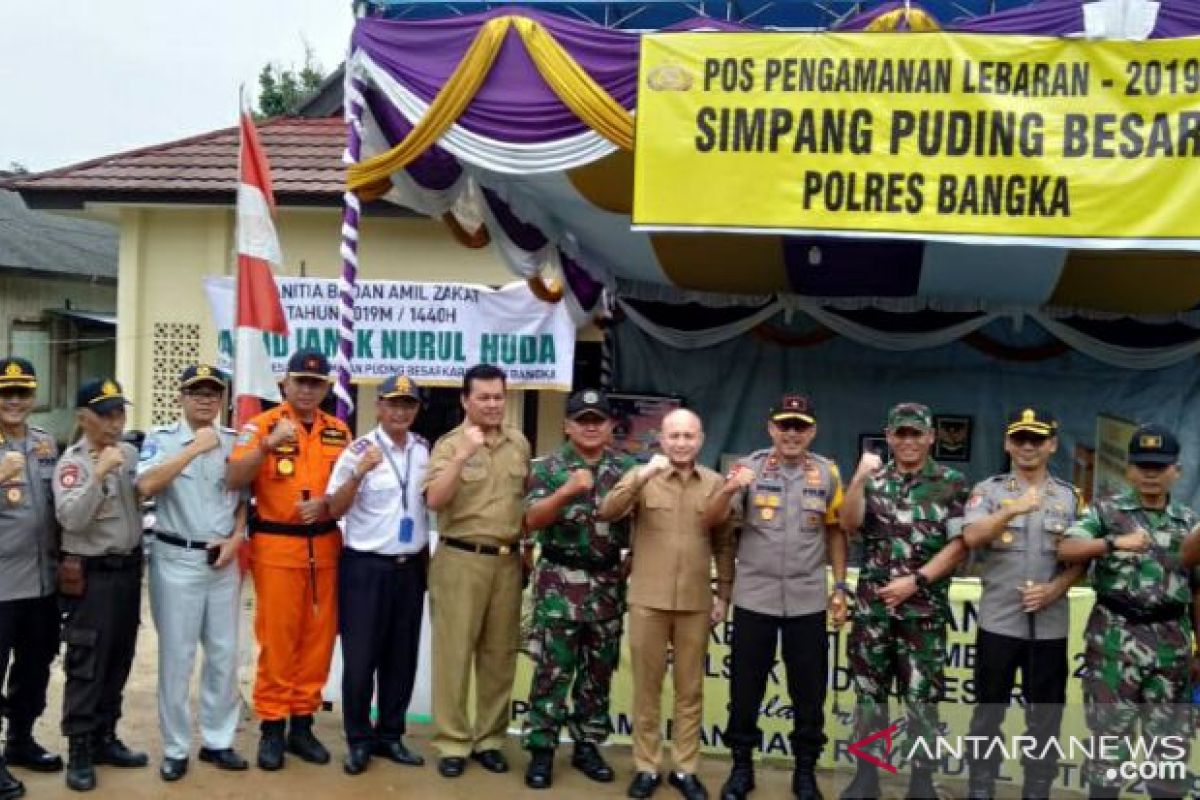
[{"x": 258, "y": 254}]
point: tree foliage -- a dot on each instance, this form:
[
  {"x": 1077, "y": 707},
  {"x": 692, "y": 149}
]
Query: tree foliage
[{"x": 281, "y": 90}]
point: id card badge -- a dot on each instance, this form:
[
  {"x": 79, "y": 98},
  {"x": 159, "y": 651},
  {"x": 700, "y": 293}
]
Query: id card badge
[{"x": 406, "y": 530}]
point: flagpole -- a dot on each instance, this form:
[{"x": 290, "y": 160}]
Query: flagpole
[{"x": 351, "y": 218}]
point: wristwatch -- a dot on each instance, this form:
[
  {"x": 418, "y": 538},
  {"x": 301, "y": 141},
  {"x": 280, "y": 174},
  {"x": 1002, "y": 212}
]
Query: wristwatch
[
  {"x": 922, "y": 581},
  {"x": 1110, "y": 544},
  {"x": 842, "y": 586}
]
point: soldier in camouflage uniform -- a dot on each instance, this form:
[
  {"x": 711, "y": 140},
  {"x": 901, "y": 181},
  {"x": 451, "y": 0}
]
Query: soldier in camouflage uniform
[
  {"x": 908, "y": 512},
  {"x": 578, "y": 592},
  {"x": 1137, "y": 643}
]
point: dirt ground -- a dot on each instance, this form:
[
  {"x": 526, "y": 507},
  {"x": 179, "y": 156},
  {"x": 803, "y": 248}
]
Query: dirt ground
[{"x": 139, "y": 729}]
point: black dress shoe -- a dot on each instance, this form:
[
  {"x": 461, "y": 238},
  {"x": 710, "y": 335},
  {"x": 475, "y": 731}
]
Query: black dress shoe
[
  {"x": 10, "y": 787},
  {"x": 173, "y": 769},
  {"x": 540, "y": 772},
  {"x": 225, "y": 758},
  {"x": 108, "y": 749},
  {"x": 587, "y": 759},
  {"x": 451, "y": 766},
  {"x": 396, "y": 751},
  {"x": 688, "y": 785},
  {"x": 29, "y": 754},
  {"x": 357, "y": 759},
  {"x": 491, "y": 760},
  {"x": 643, "y": 785}
]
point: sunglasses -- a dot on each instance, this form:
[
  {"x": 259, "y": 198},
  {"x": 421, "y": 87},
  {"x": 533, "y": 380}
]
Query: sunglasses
[
  {"x": 796, "y": 425},
  {"x": 1028, "y": 438},
  {"x": 16, "y": 394}
]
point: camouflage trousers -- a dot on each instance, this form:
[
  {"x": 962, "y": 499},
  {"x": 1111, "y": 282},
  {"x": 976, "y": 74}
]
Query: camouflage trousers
[
  {"x": 882, "y": 648},
  {"x": 1135, "y": 673},
  {"x": 575, "y": 659}
]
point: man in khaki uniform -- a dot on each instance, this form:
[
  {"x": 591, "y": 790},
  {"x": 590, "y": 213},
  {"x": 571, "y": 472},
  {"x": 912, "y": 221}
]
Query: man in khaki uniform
[
  {"x": 670, "y": 595},
  {"x": 476, "y": 483}
]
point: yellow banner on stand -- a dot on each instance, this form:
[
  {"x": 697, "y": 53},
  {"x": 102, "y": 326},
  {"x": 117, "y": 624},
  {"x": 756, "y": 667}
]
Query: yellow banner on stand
[
  {"x": 775, "y": 714},
  {"x": 959, "y": 137}
]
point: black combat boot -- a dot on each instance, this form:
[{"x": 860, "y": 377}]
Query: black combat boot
[
  {"x": 108, "y": 749},
  {"x": 982, "y": 783},
  {"x": 270, "y": 746},
  {"x": 865, "y": 785},
  {"x": 741, "y": 775},
  {"x": 540, "y": 773},
  {"x": 81, "y": 774},
  {"x": 804, "y": 777},
  {"x": 587, "y": 759},
  {"x": 300, "y": 740},
  {"x": 21, "y": 750},
  {"x": 920, "y": 783}
]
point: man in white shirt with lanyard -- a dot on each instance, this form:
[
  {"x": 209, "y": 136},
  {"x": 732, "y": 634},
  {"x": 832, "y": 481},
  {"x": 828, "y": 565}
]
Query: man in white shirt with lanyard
[{"x": 376, "y": 484}]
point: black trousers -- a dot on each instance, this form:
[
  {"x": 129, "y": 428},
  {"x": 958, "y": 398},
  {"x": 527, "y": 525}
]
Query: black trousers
[
  {"x": 379, "y": 619},
  {"x": 101, "y": 633},
  {"x": 29, "y": 636},
  {"x": 1043, "y": 665},
  {"x": 805, "y": 657}
]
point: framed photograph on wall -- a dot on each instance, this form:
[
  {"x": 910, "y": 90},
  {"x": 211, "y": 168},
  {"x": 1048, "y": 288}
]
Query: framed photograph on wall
[
  {"x": 874, "y": 443},
  {"x": 637, "y": 420},
  {"x": 953, "y": 442}
]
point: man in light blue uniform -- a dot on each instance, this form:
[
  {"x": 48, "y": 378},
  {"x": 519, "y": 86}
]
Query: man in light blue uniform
[{"x": 194, "y": 579}]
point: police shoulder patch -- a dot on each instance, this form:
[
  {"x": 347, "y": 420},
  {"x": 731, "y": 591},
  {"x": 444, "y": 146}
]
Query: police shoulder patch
[
  {"x": 68, "y": 475},
  {"x": 360, "y": 446},
  {"x": 149, "y": 449}
]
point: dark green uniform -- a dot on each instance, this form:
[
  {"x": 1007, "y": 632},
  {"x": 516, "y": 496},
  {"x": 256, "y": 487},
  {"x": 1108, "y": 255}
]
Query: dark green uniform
[
  {"x": 1138, "y": 640},
  {"x": 579, "y": 600},
  {"x": 909, "y": 519}
]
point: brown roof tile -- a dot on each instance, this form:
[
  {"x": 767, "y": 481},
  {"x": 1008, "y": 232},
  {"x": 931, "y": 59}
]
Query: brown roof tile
[{"x": 305, "y": 156}]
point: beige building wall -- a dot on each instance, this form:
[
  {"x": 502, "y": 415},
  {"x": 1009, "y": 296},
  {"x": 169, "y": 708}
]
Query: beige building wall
[{"x": 166, "y": 252}]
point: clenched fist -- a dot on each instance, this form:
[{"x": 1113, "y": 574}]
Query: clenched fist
[
  {"x": 472, "y": 440},
  {"x": 371, "y": 459},
  {"x": 12, "y": 466},
  {"x": 869, "y": 463},
  {"x": 740, "y": 477},
  {"x": 206, "y": 439},
  {"x": 1031, "y": 500},
  {"x": 581, "y": 481},
  {"x": 657, "y": 463},
  {"x": 284, "y": 432},
  {"x": 109, "y": 459}
]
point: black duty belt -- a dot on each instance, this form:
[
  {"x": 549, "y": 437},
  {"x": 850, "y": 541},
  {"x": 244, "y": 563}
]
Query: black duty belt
[
  {"x": 482, "y": 549},
  {"x": 1143, "y": 616},
  {"x": 307, "y": 531},
  {"x": 179, "y": 541},
  {"x": 562, "y": 558},
  {"x": 397, "y": 560},
  {"x": 112, "y": 562}
]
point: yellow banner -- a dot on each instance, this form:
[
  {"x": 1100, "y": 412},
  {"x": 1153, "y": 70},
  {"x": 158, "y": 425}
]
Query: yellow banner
[
  {"x": 960, "y": 137},
  {"x": 775, "y": 714}
]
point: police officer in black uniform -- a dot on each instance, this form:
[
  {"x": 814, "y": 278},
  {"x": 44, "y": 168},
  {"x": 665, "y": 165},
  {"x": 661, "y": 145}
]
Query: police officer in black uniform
[
  {"x": 100, "y": 580},
  {"x": 29, "y": 619}
]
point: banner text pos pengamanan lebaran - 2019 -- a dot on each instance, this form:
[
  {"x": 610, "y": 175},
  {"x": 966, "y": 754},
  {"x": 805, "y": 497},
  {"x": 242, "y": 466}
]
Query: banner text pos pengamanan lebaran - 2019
[{"x": 957, "y": 137}]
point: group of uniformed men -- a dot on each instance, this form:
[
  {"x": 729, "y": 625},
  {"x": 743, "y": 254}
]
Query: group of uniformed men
[{"x": 612, "y": 536}]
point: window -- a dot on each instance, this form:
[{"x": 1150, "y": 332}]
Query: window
[{"x": 31, "y": 340}]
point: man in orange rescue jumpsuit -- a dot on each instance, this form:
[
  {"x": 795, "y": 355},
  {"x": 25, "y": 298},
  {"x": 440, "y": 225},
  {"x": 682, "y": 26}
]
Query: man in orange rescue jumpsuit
[{"x": 286, "y": 456}]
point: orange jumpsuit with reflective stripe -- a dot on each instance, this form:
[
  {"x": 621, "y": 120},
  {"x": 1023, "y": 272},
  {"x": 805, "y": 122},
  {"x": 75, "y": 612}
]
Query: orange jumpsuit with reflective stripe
[{"x": 295, "y": 627}]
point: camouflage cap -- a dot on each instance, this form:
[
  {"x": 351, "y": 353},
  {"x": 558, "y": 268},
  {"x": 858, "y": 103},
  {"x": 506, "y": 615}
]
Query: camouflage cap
[{"x": 910, "y": 415}]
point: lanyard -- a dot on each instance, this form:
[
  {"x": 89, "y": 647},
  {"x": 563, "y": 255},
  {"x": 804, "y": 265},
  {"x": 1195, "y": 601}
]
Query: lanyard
[{"x": 387, "y": 451}]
